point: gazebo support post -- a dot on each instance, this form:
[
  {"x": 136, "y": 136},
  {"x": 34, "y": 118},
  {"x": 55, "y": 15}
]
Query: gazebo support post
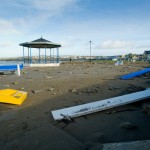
[
  {"x": 45, "y": 53},
  {"x": 28, "y": 55},
  {"x": 57, "y": 55},
  {"x": 23, "y": 55},
  {"x": 39, "y": 55},
  {"x": 53, "y": 55},
  {"x": 50, "y": 56}
]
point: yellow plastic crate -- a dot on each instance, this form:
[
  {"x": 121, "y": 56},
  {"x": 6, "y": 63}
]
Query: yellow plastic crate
[{"x": 12, "y": 96}]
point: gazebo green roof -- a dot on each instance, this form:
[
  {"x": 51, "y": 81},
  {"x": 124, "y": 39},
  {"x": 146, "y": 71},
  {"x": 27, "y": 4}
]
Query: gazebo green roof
[{"x": 40, "y": 43}]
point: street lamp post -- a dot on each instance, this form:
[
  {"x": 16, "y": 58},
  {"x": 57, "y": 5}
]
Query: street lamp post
[{"x": 90, "y": 50}]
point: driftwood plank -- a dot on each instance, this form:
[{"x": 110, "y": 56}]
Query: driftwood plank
[{"x": 100, "y": 105}]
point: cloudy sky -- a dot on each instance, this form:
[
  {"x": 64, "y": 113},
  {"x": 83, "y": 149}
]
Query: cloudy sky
[{"x": 114, "y": 26}]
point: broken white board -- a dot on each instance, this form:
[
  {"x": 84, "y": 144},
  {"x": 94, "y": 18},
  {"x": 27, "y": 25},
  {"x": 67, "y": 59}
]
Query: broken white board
[{"x": 93, "y": 107}]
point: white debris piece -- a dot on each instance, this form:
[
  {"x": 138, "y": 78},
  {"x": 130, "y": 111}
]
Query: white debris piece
[{"x": 100, "y": 105}]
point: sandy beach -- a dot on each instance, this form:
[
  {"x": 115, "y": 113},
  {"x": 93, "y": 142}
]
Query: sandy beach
[{"x": 31, "y": 125}]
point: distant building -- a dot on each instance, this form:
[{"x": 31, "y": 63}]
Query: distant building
[
  {"x": 147, "y": 52},
  {"x": 146, "y": 55}
]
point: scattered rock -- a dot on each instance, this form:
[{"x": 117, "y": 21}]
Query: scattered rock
[
  {"x": 73, "y": 90},
  {"x": 16, "y": 82},
  {"x": 114, "y": 88},
  {"x": 132, "y": 88},
  {"x": 22, "y": 88},
  {"x": 69, "y": 72},
  {"x": 60, "y": 90},
  {"x": 128, "y": 125},
  {"x": 37, "y": 70},
  {"x": 93, "y": 90},
  {"x": 38, "y": 91},
  {"x": 24, "y": 72},
  {"x": 146, "y": 108},
  {"x": 48, "y": 77},
  {"x": 6, "y": 85},
  {"x": 53, "y": 94},
  {"x": 51, "y": 89},
  {"x": 111, "y": 88}
]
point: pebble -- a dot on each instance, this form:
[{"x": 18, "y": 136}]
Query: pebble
[
  {"x": 114, "y": 88},
  {"x": 146, "y": 108},
  {"x": 6, "y": 85},
  {"x": 53, "y": 94},
  {"x": 128, "y": 125},
  {"x": 24, "y": 72},
  {"x": 94, "y": 90},
  {"x": 111, "y": 88},
  {"x": 60, "y": 90},
  {"x": 37, "y": 91},
  {"x": 48, "y": 77},
  {"x": 69, "y": 72},
  {"x": 51, "y": 89},
  {"x": 16, "y": 82},
  {"x": 73, "y": 90}
]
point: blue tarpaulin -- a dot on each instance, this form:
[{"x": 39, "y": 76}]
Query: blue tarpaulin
[
  {"x": 135, "y": 74},
  {"x": 10, "y": 67}
]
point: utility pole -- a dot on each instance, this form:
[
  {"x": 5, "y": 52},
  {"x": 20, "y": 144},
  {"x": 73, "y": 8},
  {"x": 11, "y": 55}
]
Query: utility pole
[{"x": 90, "y": 50}]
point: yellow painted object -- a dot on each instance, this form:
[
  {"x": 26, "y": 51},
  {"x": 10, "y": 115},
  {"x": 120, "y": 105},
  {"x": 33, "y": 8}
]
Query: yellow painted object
[{"x": 12, "y": 96}]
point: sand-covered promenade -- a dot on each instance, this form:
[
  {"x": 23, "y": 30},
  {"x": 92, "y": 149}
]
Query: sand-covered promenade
[{"x": 31, "y": 125}]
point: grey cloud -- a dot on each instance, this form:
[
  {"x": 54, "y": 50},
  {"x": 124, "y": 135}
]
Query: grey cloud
[{"x": 109, "y": 44}]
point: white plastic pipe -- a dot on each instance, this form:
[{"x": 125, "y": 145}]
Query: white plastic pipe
[{"x": 18, "y": 69}]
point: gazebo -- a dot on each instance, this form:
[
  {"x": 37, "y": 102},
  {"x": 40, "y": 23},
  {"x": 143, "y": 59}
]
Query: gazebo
[{"x": 51, "y": 60}]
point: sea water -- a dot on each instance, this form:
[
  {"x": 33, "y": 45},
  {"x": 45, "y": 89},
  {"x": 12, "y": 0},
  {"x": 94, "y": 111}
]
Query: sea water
[{"x": 10, "y": 62}]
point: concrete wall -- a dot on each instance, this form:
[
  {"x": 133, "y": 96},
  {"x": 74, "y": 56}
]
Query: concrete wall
[{"x": 43, "y": 65}]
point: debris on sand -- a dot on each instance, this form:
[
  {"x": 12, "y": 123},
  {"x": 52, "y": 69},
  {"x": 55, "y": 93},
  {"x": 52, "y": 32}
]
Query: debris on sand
[
  {"x": 135, "y": 74},
  {"x": 92, "y": 90},
  {"x": 146, "y": 108},
  {"x": 100, "y": 105},
  {"x": 48, "y": 77},
  {"x": 51, "y": 89},
  {"x": 132, "y": 88},
  {"x": 128, "y": 125},
  {"x": 15, "y": 83},
  {"x": 7, "y": 85},
  {"x": 73, "y": 90},
  {"x": 37, "y": 91}
]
